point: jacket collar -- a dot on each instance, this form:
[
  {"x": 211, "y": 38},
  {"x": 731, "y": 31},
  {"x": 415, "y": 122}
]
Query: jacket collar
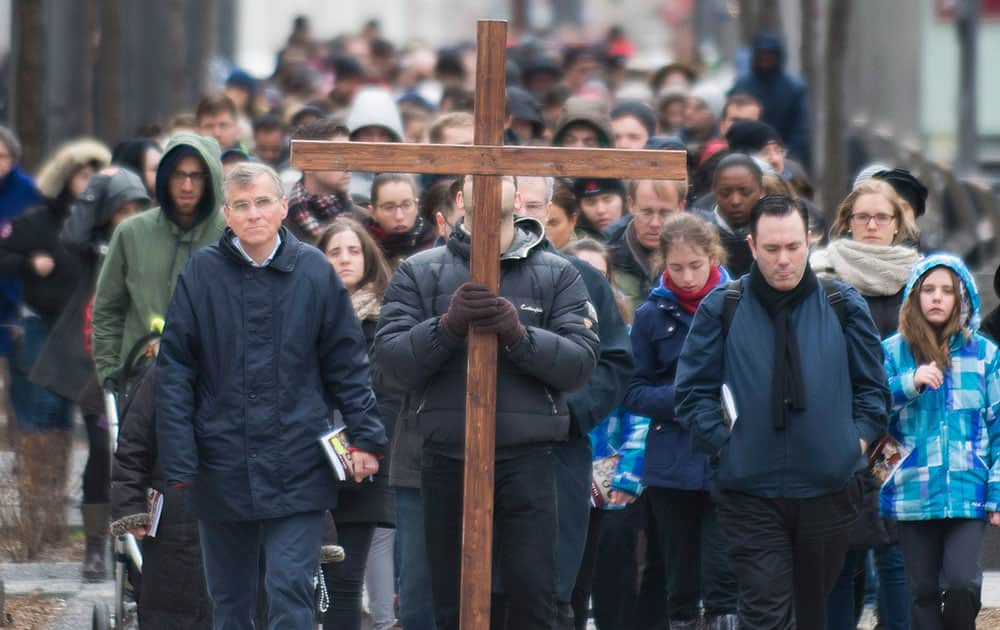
[
  {"x": 284, "y": 259},
  {"x": 528, "y": 235}
]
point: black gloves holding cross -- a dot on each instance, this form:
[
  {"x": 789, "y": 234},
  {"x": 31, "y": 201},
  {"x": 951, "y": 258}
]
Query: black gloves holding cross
[{"x": 474, "y": 304}]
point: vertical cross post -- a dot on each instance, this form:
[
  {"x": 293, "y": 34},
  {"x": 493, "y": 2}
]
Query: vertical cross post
[{"x": 480, "y": 401}]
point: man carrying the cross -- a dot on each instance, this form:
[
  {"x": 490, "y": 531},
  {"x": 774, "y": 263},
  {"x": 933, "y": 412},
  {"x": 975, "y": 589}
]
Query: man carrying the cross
[{"x": 547, "y": 347}]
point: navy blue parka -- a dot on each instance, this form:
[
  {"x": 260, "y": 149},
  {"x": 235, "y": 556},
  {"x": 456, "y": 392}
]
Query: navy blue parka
[{"x": 251, "y": 362}]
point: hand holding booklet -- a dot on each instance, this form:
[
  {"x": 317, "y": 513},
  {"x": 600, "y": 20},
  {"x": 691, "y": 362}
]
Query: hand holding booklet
[{"x": 337, "y": 447}]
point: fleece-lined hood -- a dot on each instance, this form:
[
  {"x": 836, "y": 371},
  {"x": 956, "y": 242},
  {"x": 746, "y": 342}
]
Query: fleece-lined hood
[
  {"x": 181, "y": 145},
  {"x": 374, "y": 107},
  {"x": 68, "y": 158},
  {"x": 971, "y": 306},
  {"x": 580, "y": 109}
]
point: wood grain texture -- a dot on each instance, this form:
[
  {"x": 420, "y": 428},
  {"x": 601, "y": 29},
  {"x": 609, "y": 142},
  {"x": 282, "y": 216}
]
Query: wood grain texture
[
  {"x": 480, "y": 399},
  {"x": 444, "y": 159}
]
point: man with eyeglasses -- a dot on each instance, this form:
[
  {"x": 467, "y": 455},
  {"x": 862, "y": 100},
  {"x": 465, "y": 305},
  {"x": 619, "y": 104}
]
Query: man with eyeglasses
[
  {"x": 261, "y": 342},
  {"x": 148, "y": 251},
  {"x": 633, "y": 240}
]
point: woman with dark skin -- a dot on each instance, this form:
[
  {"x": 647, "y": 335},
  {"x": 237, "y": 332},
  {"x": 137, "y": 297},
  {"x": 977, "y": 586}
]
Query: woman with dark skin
[{"x": 738, "y": 183}]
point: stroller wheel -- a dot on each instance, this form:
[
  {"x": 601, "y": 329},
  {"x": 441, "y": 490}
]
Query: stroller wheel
[{"x": 101, "y": 618}]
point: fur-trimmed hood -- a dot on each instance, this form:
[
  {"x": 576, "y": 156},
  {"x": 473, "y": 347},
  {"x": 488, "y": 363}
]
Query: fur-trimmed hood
[{"x": 58, "y": 169}]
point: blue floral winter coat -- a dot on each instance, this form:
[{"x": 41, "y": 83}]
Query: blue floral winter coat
[{"x": 953, "y": 467}]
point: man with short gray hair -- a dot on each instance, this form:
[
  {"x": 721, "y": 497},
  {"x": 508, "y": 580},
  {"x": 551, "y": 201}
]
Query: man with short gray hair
[{"x": 261, "y": 340}]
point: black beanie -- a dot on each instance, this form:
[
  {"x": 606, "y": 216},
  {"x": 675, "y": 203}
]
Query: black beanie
[
  {"x": 906, "y": 186},
  {"x": 750, "y": 136},
  {"x": 638, "y": 110},
  {"x": 584, "y": 187}
]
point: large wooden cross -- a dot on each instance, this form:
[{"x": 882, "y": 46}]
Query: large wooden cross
[{"x": 486, "y": 160}]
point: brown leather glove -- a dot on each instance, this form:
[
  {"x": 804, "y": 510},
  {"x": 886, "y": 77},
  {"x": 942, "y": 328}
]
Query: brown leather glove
[
  {"x": 505, "y": 324},
  {"x": 470, "y": 302}
]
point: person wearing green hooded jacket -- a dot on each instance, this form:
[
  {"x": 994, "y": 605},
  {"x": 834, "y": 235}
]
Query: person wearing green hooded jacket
[{"x": 148, "y": 251}]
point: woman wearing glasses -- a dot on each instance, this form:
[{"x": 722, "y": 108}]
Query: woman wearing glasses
[
  {"x": 396, "y": 224},
  {"x": 870, "y": 250}
]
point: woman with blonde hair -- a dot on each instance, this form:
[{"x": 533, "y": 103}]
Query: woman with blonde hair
[{"x": 870, "y": 250}]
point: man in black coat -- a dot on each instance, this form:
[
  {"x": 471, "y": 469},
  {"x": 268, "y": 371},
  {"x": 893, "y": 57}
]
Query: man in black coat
[
  {"x": 260, "y": 342},
  {"x": 545, "y": 327}
]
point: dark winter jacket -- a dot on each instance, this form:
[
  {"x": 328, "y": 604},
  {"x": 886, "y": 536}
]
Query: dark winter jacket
[
  {"x": 251, "y": 362},
  {"x": 398, "y": 246},
  {"x": 784, "y": 97},
  {"x": 37, "y": 231},
  {"x": 173, "y": 588},
  {"x": 658, "y": 334},
  {"x": 991, "y": 323},
  {"x": 630, "y": 261},
  {"x": 588, "y": 405},
  {"x": 65, "y": 365},
  {"x": 17, "y": 194},
  {"x": 845, "y": 391},
  {"x": 416, "y": 355},
  {"x": 739, "y": 256}
]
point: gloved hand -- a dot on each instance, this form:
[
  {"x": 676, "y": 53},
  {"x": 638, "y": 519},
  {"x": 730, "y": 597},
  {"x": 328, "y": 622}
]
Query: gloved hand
[
  {"x": 470, "y": 302},
  {"x": 505, "y": 324}
]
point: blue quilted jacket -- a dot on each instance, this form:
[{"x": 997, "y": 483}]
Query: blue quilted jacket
[{"x": 952, "y": 468}]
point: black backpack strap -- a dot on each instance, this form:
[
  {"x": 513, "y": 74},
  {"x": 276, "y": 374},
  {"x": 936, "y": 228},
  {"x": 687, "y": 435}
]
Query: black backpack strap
[
  {"x": 836, "y": 299},
  {"x": 733, "y": 293}
]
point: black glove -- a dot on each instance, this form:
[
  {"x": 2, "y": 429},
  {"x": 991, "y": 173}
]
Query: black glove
[
  {"x": 505, "y": 324},
  {"x": 470, "y": 302}
]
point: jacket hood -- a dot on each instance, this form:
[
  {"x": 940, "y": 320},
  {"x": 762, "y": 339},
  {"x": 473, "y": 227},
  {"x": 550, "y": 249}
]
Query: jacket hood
[
  {"x": 579, "y": 109},
  {"x": 770, "y": 42},
  {"x": 57, "y": 170},
  {"x": 661, "y": 291},
  {"x": 106, "y": 193},
  {"x": 374, "y": 107},
  {"x": 528, "y": 235},
  {"x": 971, "y": 307},
  {"x": 183, "y": 144}
]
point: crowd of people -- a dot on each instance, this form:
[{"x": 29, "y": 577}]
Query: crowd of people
[{"x": 701, "y": 385}]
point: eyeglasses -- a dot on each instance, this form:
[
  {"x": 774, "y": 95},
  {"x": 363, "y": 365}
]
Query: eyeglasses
[
  {"x": 196, "y": 177},
  {"x": 863, "y": 218},
  {"x": 534, "y": 207},
  {"x": 648, "y": 214},
  {"x": 261, "y": 203},
  {"x": 388, "y": 206}
]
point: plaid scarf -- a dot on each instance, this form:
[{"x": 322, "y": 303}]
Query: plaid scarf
[{"x": 311, "y": 213}]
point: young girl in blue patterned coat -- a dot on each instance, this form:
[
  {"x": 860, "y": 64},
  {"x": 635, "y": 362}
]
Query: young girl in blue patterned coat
[{"x": 945, "y": 385}]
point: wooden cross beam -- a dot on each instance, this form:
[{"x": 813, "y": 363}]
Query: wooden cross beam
[{"x": 486, "y": 160}]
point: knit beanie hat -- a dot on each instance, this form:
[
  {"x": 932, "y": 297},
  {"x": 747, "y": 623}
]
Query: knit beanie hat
[
  {"x": 584, "y": 187},
  {"x": 750, "y": 136},
  {"x": 638, "y": 110},
  {"x": 906, "y": 186},
  {"x": 711, "y": 95}
]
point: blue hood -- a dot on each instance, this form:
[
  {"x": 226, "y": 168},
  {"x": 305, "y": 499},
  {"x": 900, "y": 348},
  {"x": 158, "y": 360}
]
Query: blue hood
[
  {"x": 770, "y": 42},
  {"x": 958, "y": 266},
  {"x": 661, "y": 291}
]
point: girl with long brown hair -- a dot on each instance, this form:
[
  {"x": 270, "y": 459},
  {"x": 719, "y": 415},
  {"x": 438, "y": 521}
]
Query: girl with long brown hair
[{"x": 944, "y": 378}]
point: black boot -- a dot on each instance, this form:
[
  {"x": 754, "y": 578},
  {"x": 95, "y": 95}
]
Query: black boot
[{"x": 95, "y": 526}]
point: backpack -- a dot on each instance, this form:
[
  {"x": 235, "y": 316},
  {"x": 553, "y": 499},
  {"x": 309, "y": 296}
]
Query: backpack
[{"x": 734, "y": 291}]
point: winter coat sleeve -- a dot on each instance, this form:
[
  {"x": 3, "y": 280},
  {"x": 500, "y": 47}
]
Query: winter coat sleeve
[
  {"x": 132, "y": 468},
  {"x": 111, "y": 302},
  {"x": 15, "y": 248},
  {"x": 177, "y": 372},
  {"x": 992, "y": 412},
  {"x": 648, "y": 394},
  {"x": 343, "y": 359},
  {"x": 902, "y": 390},
  {"x": 563, "y": 354},
  {"x": 589, "y": 405},
  {"x": 868, "y": 378},
  {"x": 410, "y": 344},
  {"x": 699, "y": 377}
]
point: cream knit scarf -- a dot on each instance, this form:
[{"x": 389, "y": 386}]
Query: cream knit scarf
[{"x": 870, "y": 268}]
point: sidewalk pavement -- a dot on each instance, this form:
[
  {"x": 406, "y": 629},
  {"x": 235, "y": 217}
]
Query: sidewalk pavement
[{"x": 59, "y": 579}]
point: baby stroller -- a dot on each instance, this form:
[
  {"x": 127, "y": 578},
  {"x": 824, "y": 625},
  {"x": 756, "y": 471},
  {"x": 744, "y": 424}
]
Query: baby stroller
[
  {"x": 129, "y": 391},
  {"x": 119, "y": 389}
]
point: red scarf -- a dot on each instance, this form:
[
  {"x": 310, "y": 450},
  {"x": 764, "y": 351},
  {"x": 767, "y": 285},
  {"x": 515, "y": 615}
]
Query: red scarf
[{"x": 689, "y": 300}]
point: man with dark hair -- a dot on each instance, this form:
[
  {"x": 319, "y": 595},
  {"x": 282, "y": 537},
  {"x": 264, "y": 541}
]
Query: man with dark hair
[
  {"x": 216, "y": 117},
  {"x": 270, "y": 145},
  {"x": 798, "y": 363},
  {"x": 739, "y": 106},
  {"x": 319, "y": 197},
  {"x": 547, "y": 347}
]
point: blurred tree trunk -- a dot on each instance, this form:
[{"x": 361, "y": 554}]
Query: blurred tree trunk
[
  {"x": 807, "y": 55},
  {"x": 833, "y": 183},
  {"x": 174, "y": 57},
  {"x": 88, "y": 64},
  {"x": 28, "y": 62},
  {"x": 110, "y": 96},
  {"x": 759, "y": 16},
  {"x": 518, "y": 16}
]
